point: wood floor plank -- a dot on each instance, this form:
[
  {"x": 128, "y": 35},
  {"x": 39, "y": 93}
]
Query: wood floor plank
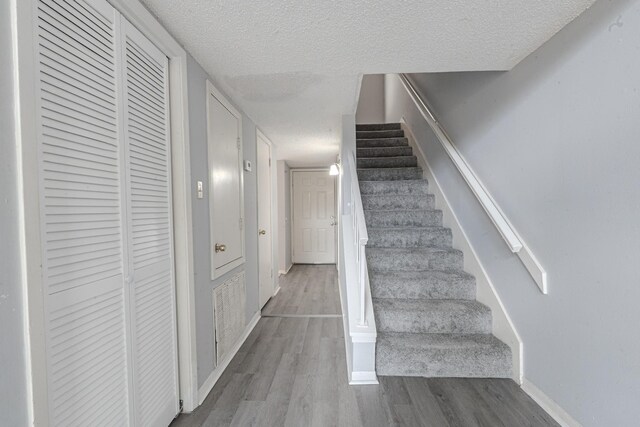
[
  {"x": 426, "y": 407},
  {"x": 374, "y": 409},
  {"x": 279, "y": 396},
  {"x": 249, "y": 414},
  {"x": 226, "y": 406},
  {"x": 300, "y": 404}
]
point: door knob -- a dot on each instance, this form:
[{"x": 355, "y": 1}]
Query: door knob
[
  {"x": 262, "y": 232},
  {"x": 220, "y": 248}
]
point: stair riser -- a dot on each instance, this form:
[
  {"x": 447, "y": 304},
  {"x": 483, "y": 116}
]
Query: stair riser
[
  {"x": 413, "y": 261},
  {"x": 421, "y": 289},
  {"x": 388, "y": 162},
  {"x": 426, "y": 201},
  {"x": 453, "y": 322},
  {"x": 382, "y": 142},
  {"x": 378, "y": 126},
  {"x": 394, "y": 187},
  {"x": 384, "y": 152},
  {"x": 437, "y": 362},
  {"x": 403, "y": 218},
  {"x": 409, "y": 238},
  {"x": 389, "y": 174},
  {"x": 372, "y": 134}
]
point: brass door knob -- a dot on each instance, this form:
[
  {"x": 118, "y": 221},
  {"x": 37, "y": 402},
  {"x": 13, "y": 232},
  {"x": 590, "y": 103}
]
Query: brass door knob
[
  {"x": 262, "y": 232},
  {"x": 220, "y": 248}
]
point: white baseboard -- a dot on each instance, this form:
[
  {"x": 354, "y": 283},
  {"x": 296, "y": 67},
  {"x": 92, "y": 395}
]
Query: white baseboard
[
  {"x": 363, "y": 378},
  {"x": 281, "y": 272},
  {"x": 552, "y": 408},
  {"x": 277, "y": 290},
  {"x": 215, "y": 375},
  {"x": 503, "y": 328}
]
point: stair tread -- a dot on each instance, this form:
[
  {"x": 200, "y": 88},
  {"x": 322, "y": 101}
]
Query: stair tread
[
  {"x": 414, "y": 340},
  {"x": 413, "y": 250},
  {"x": 388, "y": 169},
  {"x": 404, "y": 210},
  {"x": 423, "y": 284},
  {"x": 378, "y": 126},
  {"x": 442, "y": 355},
  {"x": 385, "y": 157},
  {"x": 429, "y": 305},
  {"x": 422, "y": 274},
  {"x": 408, "y": 228}
]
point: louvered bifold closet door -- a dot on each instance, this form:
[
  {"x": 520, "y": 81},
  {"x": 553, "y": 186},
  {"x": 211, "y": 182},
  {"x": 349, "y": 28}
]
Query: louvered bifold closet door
[
  {"x": 81, "y": 213},
  {"x": 152, "y": 288}
]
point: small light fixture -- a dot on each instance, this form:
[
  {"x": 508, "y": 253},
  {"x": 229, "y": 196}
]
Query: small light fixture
[{"x": 334, "y": 170}]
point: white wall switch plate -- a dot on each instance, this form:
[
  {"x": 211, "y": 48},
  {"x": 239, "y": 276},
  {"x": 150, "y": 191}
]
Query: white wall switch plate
[
  {"x": 199, "y": 189},
  {"x": 247, "y": 165}
]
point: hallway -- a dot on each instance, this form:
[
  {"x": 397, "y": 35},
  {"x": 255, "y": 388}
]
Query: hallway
[{"x": 292, "y": 371}]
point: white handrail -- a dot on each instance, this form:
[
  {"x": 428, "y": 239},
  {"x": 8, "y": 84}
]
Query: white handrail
[
  {"x": 506, "y": 230},
  {"x": 360, "y": 239}
]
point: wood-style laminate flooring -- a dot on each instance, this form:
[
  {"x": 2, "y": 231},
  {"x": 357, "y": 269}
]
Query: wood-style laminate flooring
[
  {"x": 306, "y": 290},
  {"x": 291, "y": 371}
]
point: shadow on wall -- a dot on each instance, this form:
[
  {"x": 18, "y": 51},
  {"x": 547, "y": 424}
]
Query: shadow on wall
[{"x": 464, "y": 87}]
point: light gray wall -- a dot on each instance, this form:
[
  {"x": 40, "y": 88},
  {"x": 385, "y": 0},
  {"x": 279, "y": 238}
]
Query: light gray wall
[
  {"x": 284, "y": 213},
  {"x": 371, "y": 102},
  {"x": 197, "y": 78},
  {"x": 13, "y": 392},
  {"x": 556, "y": 142}
]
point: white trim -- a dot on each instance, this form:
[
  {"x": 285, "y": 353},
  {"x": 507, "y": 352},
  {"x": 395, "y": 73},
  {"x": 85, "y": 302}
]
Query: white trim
[
  {"x": 22, "y": 40},
  {"x": 276, "y": 291},
  {"x": 287, "y": 270},
  {"x": 561, "y": 416},
  {"x": 502, "y": 326},
  {"x": 363, "y": 378},
  {"x": 222, "y": 270},
  {"x": 499, "y": 219},
  {"x": 215, "y": 375}
]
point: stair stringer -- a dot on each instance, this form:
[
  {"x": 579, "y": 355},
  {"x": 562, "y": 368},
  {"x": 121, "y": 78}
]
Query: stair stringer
[{"x": 502, "y": 326}]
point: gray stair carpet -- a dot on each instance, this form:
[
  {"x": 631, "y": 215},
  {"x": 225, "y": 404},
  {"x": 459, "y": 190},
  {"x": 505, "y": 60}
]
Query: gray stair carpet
[{"x": 429, "y": 322}]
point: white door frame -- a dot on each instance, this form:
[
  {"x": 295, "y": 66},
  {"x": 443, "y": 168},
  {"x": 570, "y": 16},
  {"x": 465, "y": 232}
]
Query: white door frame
[
  {"x": 272, "y": 206},
  {"x": 213, "y": 91},
  {"x": 24, "y": 40},
  {"x": 292, "y": 204}
]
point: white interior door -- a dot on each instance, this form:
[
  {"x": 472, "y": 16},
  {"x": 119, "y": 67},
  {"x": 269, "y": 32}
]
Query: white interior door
[
  {"x": 226, "y": 185},
  {"x": 151, "y": 287},
  {"x": 313, "y": 217},
  {"x": 82, "y": 214},
  {"x": 265, "y": 232},
  {"x": 106, "y": 220}
]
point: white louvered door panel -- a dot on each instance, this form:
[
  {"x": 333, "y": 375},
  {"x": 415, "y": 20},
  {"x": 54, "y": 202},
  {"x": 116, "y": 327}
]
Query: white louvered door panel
[
  {"x": 152, "y": 289},
  {"x": 82, "y": 213}
]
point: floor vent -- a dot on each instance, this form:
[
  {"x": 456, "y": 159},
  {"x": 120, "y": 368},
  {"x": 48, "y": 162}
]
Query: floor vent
[{"x": 229, "y": 314}]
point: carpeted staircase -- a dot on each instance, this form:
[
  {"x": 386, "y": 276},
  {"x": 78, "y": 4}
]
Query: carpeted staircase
[{"x": 429, "y": 323}]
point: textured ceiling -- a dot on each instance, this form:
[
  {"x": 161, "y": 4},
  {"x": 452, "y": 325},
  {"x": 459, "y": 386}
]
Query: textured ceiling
[{"x": 294, "y": 65}]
